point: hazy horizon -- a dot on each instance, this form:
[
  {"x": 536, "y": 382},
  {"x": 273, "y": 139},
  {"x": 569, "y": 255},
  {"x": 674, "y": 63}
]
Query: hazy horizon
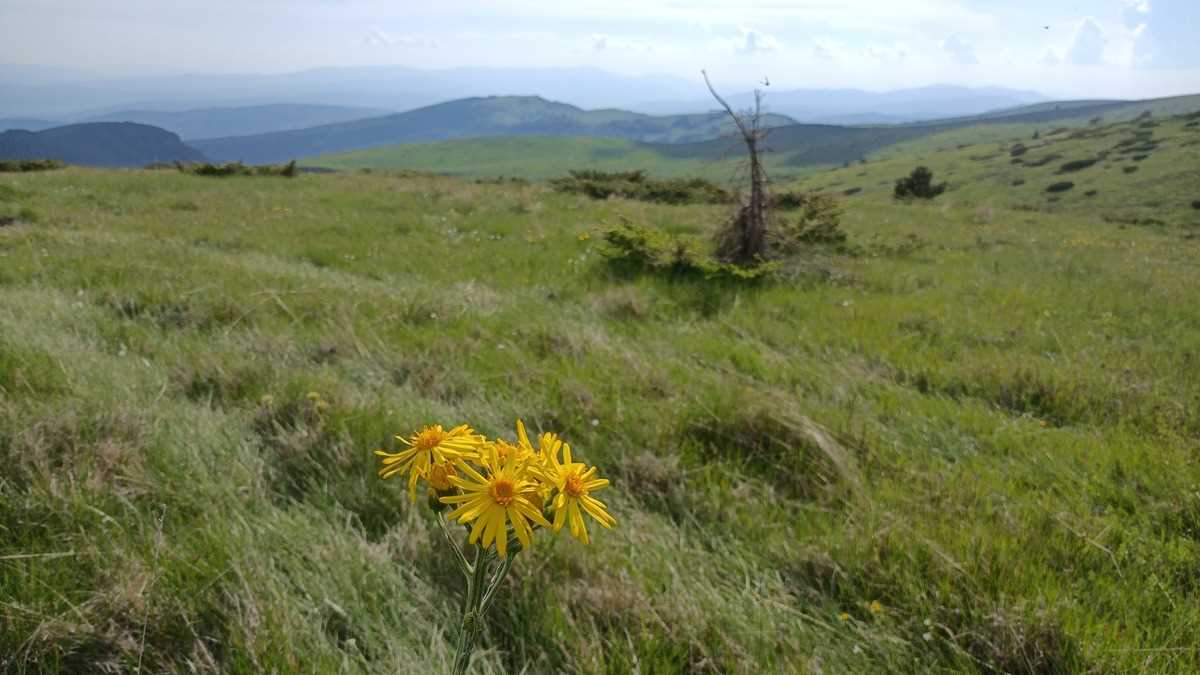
[{"x": 1087, "y": 49}]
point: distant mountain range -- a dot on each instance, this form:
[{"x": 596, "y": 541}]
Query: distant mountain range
[
  {"x": 855, "y": 106},
  {"x": 214, "y": 122},
  {"x": 33, "y": 92},
  {"x": 467, "y": 118},
  {"x": 99, "y": 144},
  {"x": 29, "y": 91}
]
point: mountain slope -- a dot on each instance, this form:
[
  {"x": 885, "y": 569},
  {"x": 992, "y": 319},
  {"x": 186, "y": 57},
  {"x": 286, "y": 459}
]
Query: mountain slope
[
  {"x": 99, "y": 144},
  {"x": 466, "y": 118},
  {"x": 239, "y": 121},
  {"x": 808, "y": 144},
  {"x": 851, "y": 106}
]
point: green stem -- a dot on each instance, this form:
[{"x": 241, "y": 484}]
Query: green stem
[
  {"x": 472, "y": 620},
  {"x": 488, "y": 596},
  {"x": 458, "y": 554}
]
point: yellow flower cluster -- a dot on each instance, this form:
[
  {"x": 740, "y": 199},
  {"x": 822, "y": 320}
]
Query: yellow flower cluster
[{"x": 495, "y": 484}]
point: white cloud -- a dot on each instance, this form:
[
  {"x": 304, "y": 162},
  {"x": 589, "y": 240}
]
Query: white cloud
[
  {"x": 750, "y": 41},
  {"x": 897, "y": 53},
  {"x": 960, "y": 51},
  {"x": 825, "y": 49},
  {"x": 377, "y": 36},
  {"x": 1087, "y": 48},
  {"x": 605, "y": 42},
  {"x": 1050, "y": 57}
]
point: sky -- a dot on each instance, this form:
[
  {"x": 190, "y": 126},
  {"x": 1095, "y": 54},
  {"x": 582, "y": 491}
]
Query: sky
[{"x": 1062, "y": 48}]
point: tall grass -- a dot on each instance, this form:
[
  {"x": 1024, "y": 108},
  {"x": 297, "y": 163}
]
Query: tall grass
[{"x": 969, "y": 448}]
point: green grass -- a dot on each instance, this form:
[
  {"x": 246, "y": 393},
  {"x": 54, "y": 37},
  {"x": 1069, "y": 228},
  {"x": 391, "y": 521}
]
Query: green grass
[
  {"x": 978, "y": 163},
  {"x": 793, "y": 151},
  {"x": 535, "y": 157},
  {"x": 986, "y": 422}
]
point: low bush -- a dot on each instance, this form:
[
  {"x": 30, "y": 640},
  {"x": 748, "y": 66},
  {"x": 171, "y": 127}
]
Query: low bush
[
  {"x": 918, "y": 185},
  {"x": 1018, "y": 149},
  {"x": 1061, "y": 186},
  {"x": 288, "y": 170},
  {"x": 1129, "y": 169},
  {"x": 1043, "y": 161},
  {"x": 1196, "y": 204},
  {"x": 643, "y": 248},
  {"x": 818, "y": 223},
  {"x": 636, "y": 185},
  {"x": 26, "y": 165},
  {"x": 1018, "y": 181},
  {"x": 1077, "y": 165}
]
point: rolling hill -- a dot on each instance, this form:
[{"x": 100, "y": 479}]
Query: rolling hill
[
  {"x": 794, "y": 149},
  {"x": 468, "y": 118},
  {"x": 117, "y": 144},
  {"x": 239, "y": 121}
]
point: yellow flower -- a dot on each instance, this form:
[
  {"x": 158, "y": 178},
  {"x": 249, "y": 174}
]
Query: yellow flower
[
  {"x": 507, "y": 494},
  {"x": 844, "y": 616},
  {"x": 431, "y": 445},
  {"x": 575, "y": 483},
  {"x": 502, "y": 450},
  {"x": 876, "y": 607},
  {"x": 440, "y": 475}
]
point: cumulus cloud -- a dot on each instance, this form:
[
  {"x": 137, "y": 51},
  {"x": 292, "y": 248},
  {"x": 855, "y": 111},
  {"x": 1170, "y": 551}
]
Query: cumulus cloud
[
  {"x": 750, "y": 41},
  {"x": 1087, "y": 48},
  {"x": 897, "y": 53},
  {"x": 1164, "y": 32},
  {"x": 602, "y": 43},
  {"x": 377, "y": 36},
  {"x": 828, "y": 50},
  {"x": 960, "y": 51},
  {"x": 1050, "y": 57}
]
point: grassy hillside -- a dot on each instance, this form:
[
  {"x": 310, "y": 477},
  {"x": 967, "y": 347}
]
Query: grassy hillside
[
  {"x": 1138, "y": 172},
  {"x": 794, "y": 149},
  {"x": 194, "y": 371},
  {"x": 472, "y": 117},
  {"x": 535, "y": 157}
]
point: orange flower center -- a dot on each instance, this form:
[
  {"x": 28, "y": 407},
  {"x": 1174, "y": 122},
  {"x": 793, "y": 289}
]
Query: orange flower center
[
  {"x": 439, "y": 476},
  {"x": 429, "y": 439},
  {"x": 502, "y": 492},
  {"x": 574, "y": 486}
]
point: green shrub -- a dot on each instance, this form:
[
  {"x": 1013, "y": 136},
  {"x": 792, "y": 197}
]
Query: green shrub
[
  {"x": 26, "y": 165},
  {"x": 1043, "y": 161},
  {"x": 288, "y": 170},
  {"x": 648, "y": 249},
  {"x": 817, "y": 223},
  {"x": 918, "y": 185},
  {"x": 1196, "y": 204},
  {"x": 1129, "y": 169},
  {"x": 1018, "y": 181},
  {"x": 1077, "y": 165},
  {"x": 1018, "y": 149},
  {"x": 1061, "y": 186},
  {"x": 636, "y": 185}
]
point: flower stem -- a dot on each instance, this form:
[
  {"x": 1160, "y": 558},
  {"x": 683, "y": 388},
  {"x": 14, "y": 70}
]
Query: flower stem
[
  {"x": 458, "y": 554},
  {"x": 472, "y": 620}
]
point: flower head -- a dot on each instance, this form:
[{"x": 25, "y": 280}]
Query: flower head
[
  {"x": 574, "y": 482},
  {"x": 505, "y": 493},
  {"x": 429, "y": 446}
]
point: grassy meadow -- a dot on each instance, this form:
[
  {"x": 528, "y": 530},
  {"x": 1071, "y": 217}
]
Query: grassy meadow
[{"x": 968, "y": 444}]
